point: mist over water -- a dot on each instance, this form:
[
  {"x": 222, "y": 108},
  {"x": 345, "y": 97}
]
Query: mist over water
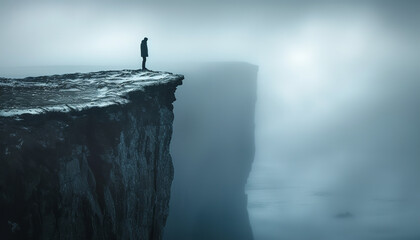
[{"x": 337, "y": 133}]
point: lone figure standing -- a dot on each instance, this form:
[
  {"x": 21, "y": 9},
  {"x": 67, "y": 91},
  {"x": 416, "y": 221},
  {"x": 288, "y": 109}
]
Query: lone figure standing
[{"x": 144, "y": 52}]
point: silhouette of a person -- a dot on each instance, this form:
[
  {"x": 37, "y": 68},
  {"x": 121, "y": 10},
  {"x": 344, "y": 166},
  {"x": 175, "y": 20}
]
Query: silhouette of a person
[{"x": 144, "y": 52}]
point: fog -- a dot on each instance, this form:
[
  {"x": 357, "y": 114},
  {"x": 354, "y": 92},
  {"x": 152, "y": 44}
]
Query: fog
[{"x": 337, "y": 133}]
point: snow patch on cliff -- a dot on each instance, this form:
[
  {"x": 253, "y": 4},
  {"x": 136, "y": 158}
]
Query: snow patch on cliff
[{"x": 77, "y": 91}]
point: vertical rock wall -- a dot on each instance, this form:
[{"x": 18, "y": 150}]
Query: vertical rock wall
[{"x": 99, "y": 173}]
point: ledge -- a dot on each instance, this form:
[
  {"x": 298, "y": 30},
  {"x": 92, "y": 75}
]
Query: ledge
[{"x": 77, "y": 91}]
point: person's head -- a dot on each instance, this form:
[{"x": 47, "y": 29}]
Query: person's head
[{"x": 145, "y": 39}]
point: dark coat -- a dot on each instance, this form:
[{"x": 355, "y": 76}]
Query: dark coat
[{"x": 143, "y": 48}]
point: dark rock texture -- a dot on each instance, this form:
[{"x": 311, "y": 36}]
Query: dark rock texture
[{"x": 101, "y": 171}]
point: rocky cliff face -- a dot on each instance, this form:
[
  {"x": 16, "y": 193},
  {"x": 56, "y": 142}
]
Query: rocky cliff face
[{"x": 86, "y": 156}]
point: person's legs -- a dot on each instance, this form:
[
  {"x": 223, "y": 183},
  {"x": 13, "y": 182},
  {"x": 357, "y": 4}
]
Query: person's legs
[{"x": 143, "y": 65}]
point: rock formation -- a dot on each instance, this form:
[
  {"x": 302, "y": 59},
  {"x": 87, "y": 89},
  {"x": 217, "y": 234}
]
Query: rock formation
[{"x": 86, "y": 156}]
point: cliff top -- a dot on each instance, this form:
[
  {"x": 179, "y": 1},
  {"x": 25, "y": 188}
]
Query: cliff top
[{"x": 77, "y": 91}]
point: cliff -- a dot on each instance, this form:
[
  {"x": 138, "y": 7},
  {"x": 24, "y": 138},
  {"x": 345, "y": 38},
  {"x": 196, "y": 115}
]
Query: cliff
[
  {"x": 213, "y": 150},
  {"x": 86, "y": 156}
]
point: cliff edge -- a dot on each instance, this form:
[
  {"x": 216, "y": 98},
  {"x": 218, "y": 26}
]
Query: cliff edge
[{"x": 86, "y": 156}]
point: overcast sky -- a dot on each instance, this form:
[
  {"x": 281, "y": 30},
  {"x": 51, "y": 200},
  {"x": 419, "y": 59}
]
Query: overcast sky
[{"x": 109, "y": 32}]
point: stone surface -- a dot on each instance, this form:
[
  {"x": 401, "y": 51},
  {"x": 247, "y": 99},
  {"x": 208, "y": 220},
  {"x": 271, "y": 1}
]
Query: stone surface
[{"x": 77, "y": 91}]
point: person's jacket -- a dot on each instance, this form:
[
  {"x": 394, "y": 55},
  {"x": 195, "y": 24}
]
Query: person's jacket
[{"x": 143, "y": 49}]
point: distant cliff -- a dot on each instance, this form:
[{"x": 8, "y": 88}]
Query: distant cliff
[
  {"x": 86, "y": 156},
  {"x": 213, "y": 150}
]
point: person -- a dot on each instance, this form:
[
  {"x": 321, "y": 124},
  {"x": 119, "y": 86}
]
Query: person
[{"x": 144, "y": 52}]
